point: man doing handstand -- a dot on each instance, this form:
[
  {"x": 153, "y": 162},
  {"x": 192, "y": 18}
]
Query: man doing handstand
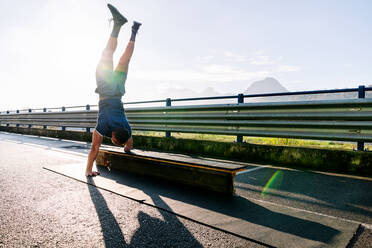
[{"x": 111, "y": 87}]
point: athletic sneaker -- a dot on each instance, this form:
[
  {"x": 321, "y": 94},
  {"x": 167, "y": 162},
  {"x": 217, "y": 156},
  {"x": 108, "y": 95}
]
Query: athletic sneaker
[{"x": 117, "y": 17}]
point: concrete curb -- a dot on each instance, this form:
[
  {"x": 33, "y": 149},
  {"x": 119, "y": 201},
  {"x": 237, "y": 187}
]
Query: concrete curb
[{"x": 353, "y": 162}]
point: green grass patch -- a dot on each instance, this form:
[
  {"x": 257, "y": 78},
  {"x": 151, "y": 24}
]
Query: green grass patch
[{"x": 261, "y": 140}]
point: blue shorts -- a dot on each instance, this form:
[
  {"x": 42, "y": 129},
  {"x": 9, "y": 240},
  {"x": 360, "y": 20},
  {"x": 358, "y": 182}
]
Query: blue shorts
[{"x": 111, "y": 116}]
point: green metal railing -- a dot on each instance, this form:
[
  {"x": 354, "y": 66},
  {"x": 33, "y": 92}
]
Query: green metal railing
[{"x": 342, "y": 120}]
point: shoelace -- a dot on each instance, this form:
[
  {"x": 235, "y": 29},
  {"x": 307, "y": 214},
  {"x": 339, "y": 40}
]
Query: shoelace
[{"x": 110, "y": 20}]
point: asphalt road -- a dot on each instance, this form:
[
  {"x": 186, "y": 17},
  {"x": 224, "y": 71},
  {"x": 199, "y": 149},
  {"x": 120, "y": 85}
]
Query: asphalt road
[
  {"x": 341, "y": 196},
  {"x": 42, "y": 209},
  {"x": 39, "y": 208}
]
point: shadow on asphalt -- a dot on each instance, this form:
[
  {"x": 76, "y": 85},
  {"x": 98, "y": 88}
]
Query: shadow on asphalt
[
  {"x": 235, "y": 206},
  {"x": 152, "y": 231},
  {"x": 335, "y": 192}
]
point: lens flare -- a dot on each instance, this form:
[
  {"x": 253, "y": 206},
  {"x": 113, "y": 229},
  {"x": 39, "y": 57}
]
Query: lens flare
[{"x": 270, "y": 182}]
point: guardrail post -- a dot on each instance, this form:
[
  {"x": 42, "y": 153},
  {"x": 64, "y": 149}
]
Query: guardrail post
[
  {"x": 87, "y": 108},
  {"x": 168, "y": 103},
  {"x": 7, "y": 112},
  {"x": 361, "y": 94},
  {"x": 239, "y": 138},
  {"x": 44, "y": 110},
  {"x": 17, "y": 125},
  {"x": 63, "y": 110},
  {"x": 29, "y": 125}
]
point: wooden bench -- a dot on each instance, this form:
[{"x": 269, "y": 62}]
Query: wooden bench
[{"x": 208, "y": 174}]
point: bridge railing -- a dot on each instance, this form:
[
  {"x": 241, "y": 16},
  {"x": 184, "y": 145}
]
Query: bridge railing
[{"x": 341, "y": 120}]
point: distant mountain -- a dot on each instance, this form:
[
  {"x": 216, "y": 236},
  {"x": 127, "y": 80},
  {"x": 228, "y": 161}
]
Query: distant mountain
[
  {"x": 179, "y": 93},
  {"x": 267, "y": 85},
  {"x": 209, "y": 92},
  {"x": 271, "y": 85},
  {"x": 189, "y": 93}
]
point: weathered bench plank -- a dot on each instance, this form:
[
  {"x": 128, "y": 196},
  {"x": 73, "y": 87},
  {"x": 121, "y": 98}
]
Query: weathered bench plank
[{"x": 206, "y": 174}]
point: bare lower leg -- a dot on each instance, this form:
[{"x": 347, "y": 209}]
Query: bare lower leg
[
  {"x": 113, "y": 40},
  {"x": 112, "y": 43},
  {"x": 89, "y": 168},
  {"x": 125, "y": 58},
  {"x": 127, "y": 55}
]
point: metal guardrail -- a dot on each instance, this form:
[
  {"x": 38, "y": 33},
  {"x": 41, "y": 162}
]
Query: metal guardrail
[{"x": 342, "y": 120}]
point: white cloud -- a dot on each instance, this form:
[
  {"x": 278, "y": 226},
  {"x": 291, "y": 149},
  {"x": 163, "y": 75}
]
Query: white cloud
[
  {"x": 234, "y": 57},
  {"x": 225, "y": 56},
  {"x": 211, "y": 73},
  {"x": 206, "y": 59},
  {"x": 262, "y": 60},
  {"x": 218, "y": 69},
  {"x": 274, "y": 64},
  {"x": 288, "y": 68}
]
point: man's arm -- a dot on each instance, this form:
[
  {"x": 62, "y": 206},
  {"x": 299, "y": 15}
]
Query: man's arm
[
  {"x": 128, "y": 145},
  {"x": 96, "y": 143}
]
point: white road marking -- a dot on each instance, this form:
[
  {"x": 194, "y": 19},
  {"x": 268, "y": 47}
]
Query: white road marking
[
  {"x": 252, "y": 169},
  {"x": 66, "y": 155},
  {"x": 70, "y": 152},
  {"x": 367, "y": 226},
  {"x": 13, "y": 141},
  {"x": 35, "y": 145},
  {"x": 303, "y": 210},
  {"x": 75, "y": 154}
]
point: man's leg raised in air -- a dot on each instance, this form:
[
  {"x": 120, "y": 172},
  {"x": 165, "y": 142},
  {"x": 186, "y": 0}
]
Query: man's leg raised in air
[
  {"x": 123, "y": 67},
  {"x": 127, "y": 55},
  {"x": 106, "y": 61}
]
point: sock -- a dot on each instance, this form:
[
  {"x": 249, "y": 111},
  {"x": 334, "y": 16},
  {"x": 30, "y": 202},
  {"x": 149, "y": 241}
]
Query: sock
[
  {"x": 135, "y": 28},
  {"x": 133, "y": 36},
  {"x": 115, "y": 30}
]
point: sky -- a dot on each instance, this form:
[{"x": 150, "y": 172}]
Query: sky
[{"x": 49, "y": 48}]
